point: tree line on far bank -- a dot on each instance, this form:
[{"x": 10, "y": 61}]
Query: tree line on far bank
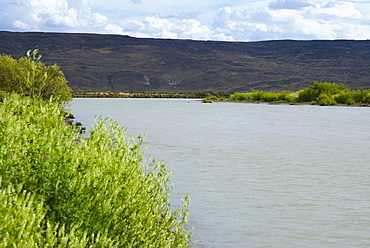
[{"x": 321, "y": 93}]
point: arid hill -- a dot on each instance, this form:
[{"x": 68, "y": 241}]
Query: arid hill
[{"x": 122, "y": 63}]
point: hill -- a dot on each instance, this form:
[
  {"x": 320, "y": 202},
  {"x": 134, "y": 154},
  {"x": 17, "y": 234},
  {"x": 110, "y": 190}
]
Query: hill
[{"x": 122, "y": 63}]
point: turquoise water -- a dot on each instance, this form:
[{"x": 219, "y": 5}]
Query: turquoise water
[{"x": 259, "y": 175}]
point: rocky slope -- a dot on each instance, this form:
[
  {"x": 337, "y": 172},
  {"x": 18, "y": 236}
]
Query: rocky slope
[{"x": 122, "y": 63}]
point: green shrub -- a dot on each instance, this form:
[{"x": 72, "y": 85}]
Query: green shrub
[
  {"x": 359, "y": 96},
  {"x": 21, "y": 218},
  {"x": 367, "y": 97},
  {"x": 29, "y": 77},
  {"x": 2, "y": 95},
  {"x": 325, "y": 99},
  {"x": 239, "y": 97},
  {"x": 269, "y": 96},
  {"x": 319, "y": 93},
  {"x": 87, "y": 192},
  {"x": 22, "y": 224},
  {"x": 311, "y": 93},
  {"x": 307, "y": 95},
  {"x": 257, "y": 96},
  {"x": 286, "y": 96},
  {"x": 345, "y": 98},
  {"x": 263, "y": 96}
]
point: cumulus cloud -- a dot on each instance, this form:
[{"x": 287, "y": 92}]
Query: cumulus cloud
[
  {"x": 158, "y": 27},
  {"x": 287, "y": 19},
  {"x": 262, "y": 20},
  {"x": 340, "y": 9},
  {"x": 49, "y": 15}
]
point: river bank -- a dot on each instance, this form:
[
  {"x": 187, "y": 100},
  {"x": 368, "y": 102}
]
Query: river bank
[
  {"x": 287, "y": 103},
  {"x": 324, "y": 94},
  {"x": 109, "y": 94}
]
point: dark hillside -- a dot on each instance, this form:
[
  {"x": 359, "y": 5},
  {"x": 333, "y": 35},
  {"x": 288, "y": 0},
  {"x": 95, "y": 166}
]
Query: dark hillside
[{"x": 122, "y": 63}]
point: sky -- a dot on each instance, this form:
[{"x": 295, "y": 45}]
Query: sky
[{"x": 235, "y": 20}]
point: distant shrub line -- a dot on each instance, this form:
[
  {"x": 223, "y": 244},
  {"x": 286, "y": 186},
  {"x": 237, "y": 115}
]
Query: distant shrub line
[
  {"x": 110, "y": 94},
  {"x": 321, "y": 93}
]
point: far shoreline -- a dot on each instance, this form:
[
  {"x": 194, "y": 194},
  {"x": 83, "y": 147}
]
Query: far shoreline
[{"x": 288, "y": 103}]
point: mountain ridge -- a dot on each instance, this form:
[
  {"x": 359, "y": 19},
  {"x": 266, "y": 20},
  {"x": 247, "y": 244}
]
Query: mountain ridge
[{"x": 104, "y": 62}]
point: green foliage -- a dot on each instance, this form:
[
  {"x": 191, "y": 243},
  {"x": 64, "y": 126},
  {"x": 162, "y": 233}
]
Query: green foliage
[
  {"x": 325, "y": 99},
  {"x": 29, "y": 77},
  {"x": 311, "y": 93},
  {"x": 3, "y": 95},
  {"x": 319, "y": 93},
  {"x": 22, "y": 224},
  {"x": 21, "y": 215},
  {"x": 360, "y": 96},
  {"x": 367, "y": 97},
  {"x": 345, "y": 98},
  {"x": 287, "y": 96},
  {"x": 60, "y": 190},
  {"x": 239, "y": 97},
  {"x": 263, "y": 96},
  {"x": 353, "y": 97}
]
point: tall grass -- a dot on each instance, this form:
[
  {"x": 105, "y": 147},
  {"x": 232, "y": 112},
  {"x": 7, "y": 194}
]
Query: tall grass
[{"x": 60, "y": 190}]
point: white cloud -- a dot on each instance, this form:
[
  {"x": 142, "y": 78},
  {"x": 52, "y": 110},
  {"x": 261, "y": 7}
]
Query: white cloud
[
  {"x": 207, "y": 20},
  {"x": 49, "y": 15},
  {"x": 341, "y": 9},
  {"x": 288, "y": 4},
  {"x": 113, "y": 28},
  {"x": 21, "y": 25},
  {"x": 166, "y": 28},
  {"x": 290, "y": 20}
]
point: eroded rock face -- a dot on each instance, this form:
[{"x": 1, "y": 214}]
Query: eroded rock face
[{"x": 122, "y": 63}]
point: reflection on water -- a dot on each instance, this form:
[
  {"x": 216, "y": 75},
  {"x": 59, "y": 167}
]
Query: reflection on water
[{"x": 258, "y": 175}]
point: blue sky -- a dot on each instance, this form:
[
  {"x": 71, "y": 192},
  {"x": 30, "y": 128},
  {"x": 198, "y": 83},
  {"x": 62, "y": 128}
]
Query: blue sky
[{"x": 236, "y": 20}]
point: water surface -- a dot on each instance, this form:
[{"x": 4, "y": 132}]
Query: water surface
[{"x": 259, "y": 175}]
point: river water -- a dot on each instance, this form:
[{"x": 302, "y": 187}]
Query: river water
[{"x": 258, "y": 175}]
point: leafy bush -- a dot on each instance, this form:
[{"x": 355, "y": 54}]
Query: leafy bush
[
  {"x": 263, "y": 96},
  {"x": 94, "y": 192},
  {"x": 319, "y": 93},
  {"x": 239, "y": 97},
  {"x": 2, "y": 95},
  {"x": 359, "y": 96},
  {"x": 22, "y": 224},
  {"x": 345, "y": 98},
  {"x": 325, "y": 99},
  {"x": 286, "y": 96},
  {"x": 311, "y": 93},
  {"x": 29, "y": 77},
  {"x": 353, "y": 97},
  {"x": 367, "y": 97}
]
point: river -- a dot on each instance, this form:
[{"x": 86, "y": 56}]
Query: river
[{"x": 258, "y": 175}]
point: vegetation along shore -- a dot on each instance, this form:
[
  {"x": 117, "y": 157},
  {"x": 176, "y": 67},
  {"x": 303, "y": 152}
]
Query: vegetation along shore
[
  {"x": 57, "y": 192},
  {"x": 321, "y": 93},
  {"x": 109, "y": 94}
]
